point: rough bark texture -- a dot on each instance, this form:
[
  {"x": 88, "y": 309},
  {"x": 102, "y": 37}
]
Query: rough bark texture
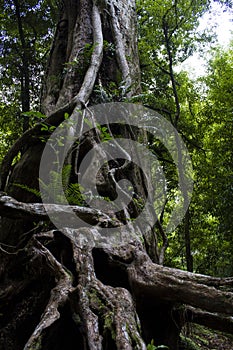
[{"x": 55, "y": 293}]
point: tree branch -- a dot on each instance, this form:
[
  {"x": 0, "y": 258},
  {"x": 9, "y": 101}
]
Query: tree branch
[{"x": 11, "y": 208}]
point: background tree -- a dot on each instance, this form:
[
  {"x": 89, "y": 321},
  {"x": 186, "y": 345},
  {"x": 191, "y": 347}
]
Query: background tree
[
  {"x": 175, "y": 37},
  {"x": 168, "y": 36},
  {"x": 26, "y": 29},
  {"x": 214, "y": 163}
]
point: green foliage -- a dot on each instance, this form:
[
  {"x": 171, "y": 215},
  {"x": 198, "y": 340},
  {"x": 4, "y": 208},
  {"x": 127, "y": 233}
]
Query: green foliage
[
  {"x": 33, "y": 116},
  {"x": 74, "y": 194},
  {"x": 109, "y": 48},
  {"x": 215, "y": 165},
  {"x": 206, "y": 122},
  {"x": 167, "y": 36},
  {"x": 188, "y": 344},
  {"x": 10, "y": 126},
  {"x": 57, "y": 191},
  {"x": 23, "y": 54},
  {"x": 37, "y": 20},
  {"x": 29, "y": 189},
  {"x": 81, "y": 63},
  {"x": 151, "y": 346},
  {"x": 111, "y": 92},
  {"x": 47, "y": 127},
  {"x": 104, "y": 133}
]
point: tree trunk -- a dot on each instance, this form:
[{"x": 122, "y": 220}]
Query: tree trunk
[
  {"x": 188, "y": 252},
  {"x": 57, "y": 293},
  {"x": 25, "y": 75}
]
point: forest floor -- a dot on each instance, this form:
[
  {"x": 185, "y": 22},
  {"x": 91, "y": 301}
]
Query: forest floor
[{"x": 201, "y": 338}]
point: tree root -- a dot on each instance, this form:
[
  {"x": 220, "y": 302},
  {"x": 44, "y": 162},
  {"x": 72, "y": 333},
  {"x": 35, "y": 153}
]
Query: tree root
[
  {"x": 59, "y": 296},
  {"x": 116, "y": 297},
  {"x": 108, "y": 314},
  {"x": 11, "y": 208}
]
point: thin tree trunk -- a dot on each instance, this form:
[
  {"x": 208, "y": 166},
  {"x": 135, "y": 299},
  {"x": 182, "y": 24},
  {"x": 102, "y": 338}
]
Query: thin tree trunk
[
  {"x": 25, "y": 75},
  {"x": 188, "y": 252}
]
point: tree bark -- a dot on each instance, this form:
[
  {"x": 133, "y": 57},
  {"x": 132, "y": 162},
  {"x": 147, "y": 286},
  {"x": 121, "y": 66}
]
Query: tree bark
[{"x": 55, "y": 292}]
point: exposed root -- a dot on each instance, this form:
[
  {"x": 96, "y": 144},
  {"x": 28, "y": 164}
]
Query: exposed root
[
  {"x": 59, "y": 295},
  {"x": 11, "y": 208},
  {"x": 108, "y": 314},
  {"x": 127, "y": 315}
]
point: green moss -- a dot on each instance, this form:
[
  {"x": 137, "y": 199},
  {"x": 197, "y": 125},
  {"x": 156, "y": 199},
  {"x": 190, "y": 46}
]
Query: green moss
[
  {"x": 105, "y": 315},
  {"x": 95, "y": 299},
  {"x": 109, "y": 48},
  {"x": 133, "y": 336},
  {"x": 77, "y": 319},
  {"x": 118, "y": 77},
  {"x": 188, "y": 344},
  {"x": 109, "y": 324},
  {"x": 36, "y": 345},
  {"x": 151, "y": 346}
]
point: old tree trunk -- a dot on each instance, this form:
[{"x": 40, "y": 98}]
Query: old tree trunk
[{"x": 58, "y": 292}]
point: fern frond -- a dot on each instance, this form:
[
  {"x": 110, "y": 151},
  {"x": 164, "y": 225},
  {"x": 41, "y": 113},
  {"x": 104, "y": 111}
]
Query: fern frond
[
  {"x": 74, "y": 194},
  {"x": 28, "y": 189},
  {"x": 66, "y": 170}
]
